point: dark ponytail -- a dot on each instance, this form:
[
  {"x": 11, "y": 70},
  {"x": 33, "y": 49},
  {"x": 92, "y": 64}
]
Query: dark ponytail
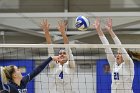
[{"x": 134, "y": 55}]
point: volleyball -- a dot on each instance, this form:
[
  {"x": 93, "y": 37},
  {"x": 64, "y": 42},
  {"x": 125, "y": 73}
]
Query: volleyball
[{"x": 82, "y": 23}]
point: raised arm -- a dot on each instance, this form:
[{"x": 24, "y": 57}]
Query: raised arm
[
  {"x": 62, "y": 28},
  {"x": 38, "y": 69},
  {"x": 108, "y": 51},
  {"x": 45, "y": 26},
  {"x": 125, "y": 55}
]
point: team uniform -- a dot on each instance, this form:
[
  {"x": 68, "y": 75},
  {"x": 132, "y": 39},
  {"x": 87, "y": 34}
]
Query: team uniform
[
  {"x": 12, "y": 87},
  {"x": 123, "y": 74},
  {"x": 62, "y": 76}
]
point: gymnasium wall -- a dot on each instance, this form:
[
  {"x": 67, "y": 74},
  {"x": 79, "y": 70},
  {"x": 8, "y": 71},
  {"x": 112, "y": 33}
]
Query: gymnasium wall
[{"x": 72, "y": 5}]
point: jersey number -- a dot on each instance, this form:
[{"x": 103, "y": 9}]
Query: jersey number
[
  {"x": 22, "y": 90},
  {"x": 116, "y": 76}
]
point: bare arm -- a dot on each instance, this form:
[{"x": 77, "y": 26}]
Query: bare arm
[
  {"x": 39, "y": 69},
  {"x": 45, "y": 26},
  {"x": 62, "y": 28},
  {"x": 125, "y": 55},
  {"x": 108, "y": 51}
]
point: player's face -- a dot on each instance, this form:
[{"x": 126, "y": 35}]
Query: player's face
[
  {"x": 17, "y": 73},
  {"x": 63, "y": 56},
  {"x": 119, "y": 58}
]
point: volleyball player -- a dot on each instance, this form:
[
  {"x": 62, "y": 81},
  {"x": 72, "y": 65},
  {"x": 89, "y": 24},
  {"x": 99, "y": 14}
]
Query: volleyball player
[
  {"x": 62, "y": 71},
  {"x": 12, "y": 80},
  {"x": 121, "y": 65}
]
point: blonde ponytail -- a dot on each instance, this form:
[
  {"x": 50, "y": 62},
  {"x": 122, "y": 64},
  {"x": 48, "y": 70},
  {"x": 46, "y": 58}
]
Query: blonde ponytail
[
  {"x": 6, "y": 73},
  {"x": 3, "y": 76}
]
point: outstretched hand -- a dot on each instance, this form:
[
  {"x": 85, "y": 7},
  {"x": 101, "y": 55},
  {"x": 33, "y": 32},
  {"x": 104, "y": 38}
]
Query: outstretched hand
[
  {"x": 62, "y": 26},
  {"x": 57, "y": 58},
  {"x": 109, "y": 24},
  {"x": 97, "y": 24},
  {"x": 45, "y": 25}
]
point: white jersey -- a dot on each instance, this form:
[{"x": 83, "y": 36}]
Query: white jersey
[
  {"x": 62, "y": 85},
  {"x": 65, "y": 84},
  {"x": 123, "y": 74},
  {"x": 122, "y": 78}
]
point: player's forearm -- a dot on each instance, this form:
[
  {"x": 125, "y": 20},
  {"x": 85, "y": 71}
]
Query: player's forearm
[
  {"x": 72, "y": 63},
  {"x": 111, "y": 32},
  {"x": 65, "y": 38},
  {"x": 126, "y": 57},
  {"x": 104, "y": 39},
  {"x": 71, "y": 58},
  {"x": 116, "y": 40},
  {"x": 100, "y": 32},
  {"x": 48, "y": 37},
  {"x": 108, "y": 51},
  {"x": 37, "y": 70}
]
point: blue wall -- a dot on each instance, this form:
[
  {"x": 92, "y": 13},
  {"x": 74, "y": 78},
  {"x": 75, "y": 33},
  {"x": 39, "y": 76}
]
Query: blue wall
[
  {"x": 136, "y": 81},
  {"x": 28, "y": 64},
  {"x": 104, "y": 79}
]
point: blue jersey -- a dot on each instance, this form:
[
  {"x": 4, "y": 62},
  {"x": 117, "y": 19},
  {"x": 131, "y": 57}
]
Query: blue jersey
[{"x": 11, "y": 87}]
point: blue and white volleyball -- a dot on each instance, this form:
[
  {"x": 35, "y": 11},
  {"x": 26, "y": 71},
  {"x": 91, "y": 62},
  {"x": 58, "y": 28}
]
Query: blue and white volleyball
[{"x": 82, "y": 23}]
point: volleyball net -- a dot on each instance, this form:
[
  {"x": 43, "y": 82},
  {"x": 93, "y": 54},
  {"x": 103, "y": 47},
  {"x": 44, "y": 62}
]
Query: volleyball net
[{"x": 92, "y": 72}]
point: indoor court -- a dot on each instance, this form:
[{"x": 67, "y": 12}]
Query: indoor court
[{"x": 103, "y": 57}]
